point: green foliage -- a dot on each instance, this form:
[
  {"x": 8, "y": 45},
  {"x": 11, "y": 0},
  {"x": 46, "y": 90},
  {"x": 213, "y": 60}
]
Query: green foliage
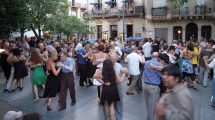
[
  {"x": 69, "y": 25},
  {"x": 177, "y": 3},
  {"x": 24, "y": 14},
  {"x": 42, "y": 11},
  {"x": 13, "y": 15}
]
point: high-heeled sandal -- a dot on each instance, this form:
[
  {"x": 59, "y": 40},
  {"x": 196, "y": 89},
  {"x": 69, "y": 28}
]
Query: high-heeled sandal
[
  {"x": 36, "y": 100},
  {"x": 48, "y": 108}
]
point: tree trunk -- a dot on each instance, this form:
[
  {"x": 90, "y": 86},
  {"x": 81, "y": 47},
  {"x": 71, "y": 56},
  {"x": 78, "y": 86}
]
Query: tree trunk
[
  {"x": 34, "y": 31},
  {"x": 39, "y": 32},
  {"x": 22, "y": 32}
]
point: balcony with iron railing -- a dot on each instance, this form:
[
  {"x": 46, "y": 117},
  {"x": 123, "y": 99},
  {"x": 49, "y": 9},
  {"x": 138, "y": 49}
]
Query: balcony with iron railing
[
  {"x": 187, "y": 11},
  {"x": 161, "y": 11},
  {"x": 137, "y": 11},
  {"x": 184, "y": 11}
]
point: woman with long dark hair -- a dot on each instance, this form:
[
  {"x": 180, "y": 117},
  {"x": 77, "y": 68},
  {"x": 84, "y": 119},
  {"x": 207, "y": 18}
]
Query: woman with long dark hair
[
  {"x": 6, "y": 67},
  {"x": 187, "y": 66},
  {"x": 110, "y": 94},
  {"x": 20, "y": 69}
]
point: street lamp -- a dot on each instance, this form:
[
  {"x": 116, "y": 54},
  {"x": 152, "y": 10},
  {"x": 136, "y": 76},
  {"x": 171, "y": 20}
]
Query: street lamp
[
  {"x": 179, "y": 34},
  {"x": 123, "y": 21}
]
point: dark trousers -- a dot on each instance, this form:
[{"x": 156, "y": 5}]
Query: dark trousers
[
  {"x": 83, "y": 75},
  {"x": 148, "y": 58},
  {"x": 67, "y": 81}
]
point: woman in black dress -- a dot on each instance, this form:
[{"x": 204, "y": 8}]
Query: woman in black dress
[
  {"x": 110, "y": 94},
  {"x": 20, "y": 69},
  {"x": 52, "y": 84},
  {"x": 6, "y": 67}
]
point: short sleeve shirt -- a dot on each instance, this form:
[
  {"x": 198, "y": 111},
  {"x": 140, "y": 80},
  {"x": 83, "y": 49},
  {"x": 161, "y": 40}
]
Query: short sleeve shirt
[
  {"x": 82, "y": 60},
  {"x": 68, "y": 62}
]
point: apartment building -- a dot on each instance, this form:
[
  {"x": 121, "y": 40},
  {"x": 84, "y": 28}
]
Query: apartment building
[
  {"x": 196, "y": 18},
  {"x": 77, "y": 8},
  {"x": 152, "y": 18},
  {"x": 106, "y": 17}
]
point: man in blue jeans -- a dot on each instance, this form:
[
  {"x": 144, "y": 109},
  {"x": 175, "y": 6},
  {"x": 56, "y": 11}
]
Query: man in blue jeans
[{"x": 118, "y": 68}]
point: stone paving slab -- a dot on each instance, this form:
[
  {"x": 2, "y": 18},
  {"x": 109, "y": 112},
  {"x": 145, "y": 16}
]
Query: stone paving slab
[{"x": 87, "y": 107}]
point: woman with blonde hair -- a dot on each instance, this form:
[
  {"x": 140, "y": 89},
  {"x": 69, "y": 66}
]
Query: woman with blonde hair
[{"x": 52, "y": 84}]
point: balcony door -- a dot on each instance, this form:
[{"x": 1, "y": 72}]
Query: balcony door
[{"x": 191, "y": 31}]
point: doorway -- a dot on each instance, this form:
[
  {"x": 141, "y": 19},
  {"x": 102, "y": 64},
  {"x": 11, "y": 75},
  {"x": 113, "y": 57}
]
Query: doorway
[
  {"x": 191, "y": 31},
  {"x": 129, "y": 29},
  {"x": 113, "y": 31},
  {"x": 177, "y": 33},
  {"x": 99, "y": 31}
]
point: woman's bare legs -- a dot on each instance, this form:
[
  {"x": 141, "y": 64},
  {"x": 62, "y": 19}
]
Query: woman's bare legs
[
  {"x": 49, "y": 104},
  {"x": 14, "y": 84},
  {"x": 36, "y": 93},
  {"x": 107, "y": 112},
  {"x": 112, "y": 112}
]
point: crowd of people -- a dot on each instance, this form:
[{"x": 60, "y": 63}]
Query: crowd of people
[{"x": 163, "y": 72}]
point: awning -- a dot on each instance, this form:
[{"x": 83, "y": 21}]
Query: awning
[
  {"x": 134, "y": 39},
  {"x": 96, "y": 3},
  {"x": 110, "y": 2},
  {"x": 127, "y": 1},
  {"x": 91, "y": 40}
]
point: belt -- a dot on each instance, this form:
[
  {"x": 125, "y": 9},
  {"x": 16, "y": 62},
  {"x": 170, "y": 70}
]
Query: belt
[{"x": 151, "y": 84}]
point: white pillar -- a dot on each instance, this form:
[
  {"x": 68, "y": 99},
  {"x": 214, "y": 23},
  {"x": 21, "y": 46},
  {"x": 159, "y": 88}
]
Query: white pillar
[
  {"x": 183, "y": 33},
  {"x": 199, "y": 32},
  {"x": 170, "y": 35}
]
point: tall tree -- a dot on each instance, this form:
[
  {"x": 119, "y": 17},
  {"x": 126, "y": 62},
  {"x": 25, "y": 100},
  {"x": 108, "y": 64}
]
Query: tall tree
[
  {"x": 11, "y": 13},
  {"x": 41, "y": 10}
]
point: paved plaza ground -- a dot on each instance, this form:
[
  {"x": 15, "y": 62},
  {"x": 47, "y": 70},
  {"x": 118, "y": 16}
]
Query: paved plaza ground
[{"x": 87, "y": 107}]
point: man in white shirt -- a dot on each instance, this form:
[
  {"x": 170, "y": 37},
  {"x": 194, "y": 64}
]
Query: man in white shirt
[
  {"x": 133, "y": 61},
  {"x": 78, "y": 47},
  {"x": 26, "y": 48},
  {"x": 117, "y": 50},
  {"x": 147, "y": 50}
]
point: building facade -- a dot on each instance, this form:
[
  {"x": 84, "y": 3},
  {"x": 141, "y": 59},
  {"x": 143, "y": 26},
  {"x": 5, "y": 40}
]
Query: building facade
[
  {"x": 196, "y": 18},
  {"x": 106, "y": 17},
  {"x": 77, "y": 8},
  {"x": 151, "y": 18}
]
